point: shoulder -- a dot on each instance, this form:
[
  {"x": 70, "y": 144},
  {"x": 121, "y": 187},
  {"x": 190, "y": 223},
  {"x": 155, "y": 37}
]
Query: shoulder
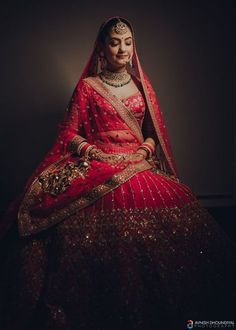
[
  {"x": 83, "y": 88},
  {"x": 91, "y": 81},
  {"x": 87, "y": 80},
  {"x": 85, "y": 85}
]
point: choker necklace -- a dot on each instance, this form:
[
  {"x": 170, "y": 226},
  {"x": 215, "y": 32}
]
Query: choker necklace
[{"x": 115, "y": 79}]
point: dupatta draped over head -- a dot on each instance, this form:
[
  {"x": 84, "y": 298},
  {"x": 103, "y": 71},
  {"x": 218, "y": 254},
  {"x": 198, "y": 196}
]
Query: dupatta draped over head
[{"x": 38, "y": 209}]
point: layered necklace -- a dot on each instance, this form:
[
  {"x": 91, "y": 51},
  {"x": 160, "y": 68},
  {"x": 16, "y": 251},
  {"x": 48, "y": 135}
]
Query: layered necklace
[{"x": 115, "y": 79}]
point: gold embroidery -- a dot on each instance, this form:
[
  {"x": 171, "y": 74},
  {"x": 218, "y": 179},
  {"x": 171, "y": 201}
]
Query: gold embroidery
[
  {"x": 29, "y": 225},
  {"x": 123, "y": 111},
  {"x": 58, "y": 182}
]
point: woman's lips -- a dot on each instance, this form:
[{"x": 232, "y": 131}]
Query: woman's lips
[{"x": 121, "y": 56}]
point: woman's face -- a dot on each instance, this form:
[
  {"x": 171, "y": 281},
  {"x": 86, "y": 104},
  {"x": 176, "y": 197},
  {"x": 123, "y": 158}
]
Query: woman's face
[{"x": 118, "y": 49}]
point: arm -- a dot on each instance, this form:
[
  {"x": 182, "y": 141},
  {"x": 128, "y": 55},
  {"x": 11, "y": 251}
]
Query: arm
[{"x": 71, "y": 132}]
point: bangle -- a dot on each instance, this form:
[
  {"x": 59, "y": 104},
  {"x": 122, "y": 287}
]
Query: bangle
[
  {"x": 84, "y": 148},
  {"x": 88, "y": 149},
  {"x": 149, "y": 146},
  {"x": 75, "y": 142},
  {"x": 146, "y": 149},
  {"x": 81, "y": 146}
]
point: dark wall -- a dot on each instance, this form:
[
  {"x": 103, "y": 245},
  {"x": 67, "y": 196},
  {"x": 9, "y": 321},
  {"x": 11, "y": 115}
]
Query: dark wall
[{"x": 187, "y": 48}]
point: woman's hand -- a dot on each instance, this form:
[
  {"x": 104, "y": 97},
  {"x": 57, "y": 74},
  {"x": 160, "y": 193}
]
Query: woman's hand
[
  {"x": 147, "y": 148},
  {"x": 142, "y": 152}
]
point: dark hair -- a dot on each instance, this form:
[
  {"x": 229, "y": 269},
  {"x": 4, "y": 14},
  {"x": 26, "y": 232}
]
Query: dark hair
[{"x": 105, "y": 29}]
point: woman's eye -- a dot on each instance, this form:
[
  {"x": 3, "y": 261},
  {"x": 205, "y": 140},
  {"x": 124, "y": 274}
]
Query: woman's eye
[{"x": 113, "y": 44}]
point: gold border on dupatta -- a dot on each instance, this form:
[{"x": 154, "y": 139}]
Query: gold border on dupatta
[
  {"x": 156, "y": 126},
  {"x": 31, "y": 225},
  {"x": 122, "y": 110}
]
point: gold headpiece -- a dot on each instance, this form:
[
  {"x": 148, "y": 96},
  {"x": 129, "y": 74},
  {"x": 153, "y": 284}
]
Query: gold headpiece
[{"x": 120, "y": 28}]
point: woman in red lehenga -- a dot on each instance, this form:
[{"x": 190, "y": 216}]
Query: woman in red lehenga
[{"x": 105, "y": 236}]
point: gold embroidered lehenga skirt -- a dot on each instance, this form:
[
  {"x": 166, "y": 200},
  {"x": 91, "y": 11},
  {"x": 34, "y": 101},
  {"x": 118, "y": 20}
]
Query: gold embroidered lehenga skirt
[{"x": 145, "y": 256}]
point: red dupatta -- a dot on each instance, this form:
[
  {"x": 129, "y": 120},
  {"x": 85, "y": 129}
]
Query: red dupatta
[{"x": 38, "y": 211}]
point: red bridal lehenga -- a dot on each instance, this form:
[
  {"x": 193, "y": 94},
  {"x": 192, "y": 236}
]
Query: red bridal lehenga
[{"x": 121, "y": 247}]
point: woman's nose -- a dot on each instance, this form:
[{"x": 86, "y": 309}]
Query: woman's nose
[{"x": 122, "y": 47}]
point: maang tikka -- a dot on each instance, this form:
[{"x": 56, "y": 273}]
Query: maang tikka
[{"x": 120, "y": 28}]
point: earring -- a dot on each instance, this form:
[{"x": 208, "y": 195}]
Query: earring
[
  {"x": 131, "y": 62},
  {"x": 103, "y": 62}
]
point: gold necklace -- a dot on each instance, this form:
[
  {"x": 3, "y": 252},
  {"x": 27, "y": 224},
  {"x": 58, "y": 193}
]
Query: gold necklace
[{"x": 115, "y": 79}]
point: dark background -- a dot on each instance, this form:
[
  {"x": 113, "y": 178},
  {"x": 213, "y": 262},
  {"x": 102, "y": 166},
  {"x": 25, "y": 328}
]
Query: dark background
[{"x": 186, "y": 47}]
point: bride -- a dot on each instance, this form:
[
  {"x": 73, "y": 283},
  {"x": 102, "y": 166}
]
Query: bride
[{"x": 104, "y": 235}]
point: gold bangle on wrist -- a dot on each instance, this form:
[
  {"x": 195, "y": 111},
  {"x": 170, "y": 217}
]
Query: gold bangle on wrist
[
  {"x": 146, "y": 149},
  {"x": 75, "y": 142},
  {"x": 81, "y": 146},
  {"x": 88, "y": 150}
]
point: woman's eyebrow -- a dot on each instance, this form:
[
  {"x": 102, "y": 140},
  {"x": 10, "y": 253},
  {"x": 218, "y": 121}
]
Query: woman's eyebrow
[{"x": 114, "y": 38}]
